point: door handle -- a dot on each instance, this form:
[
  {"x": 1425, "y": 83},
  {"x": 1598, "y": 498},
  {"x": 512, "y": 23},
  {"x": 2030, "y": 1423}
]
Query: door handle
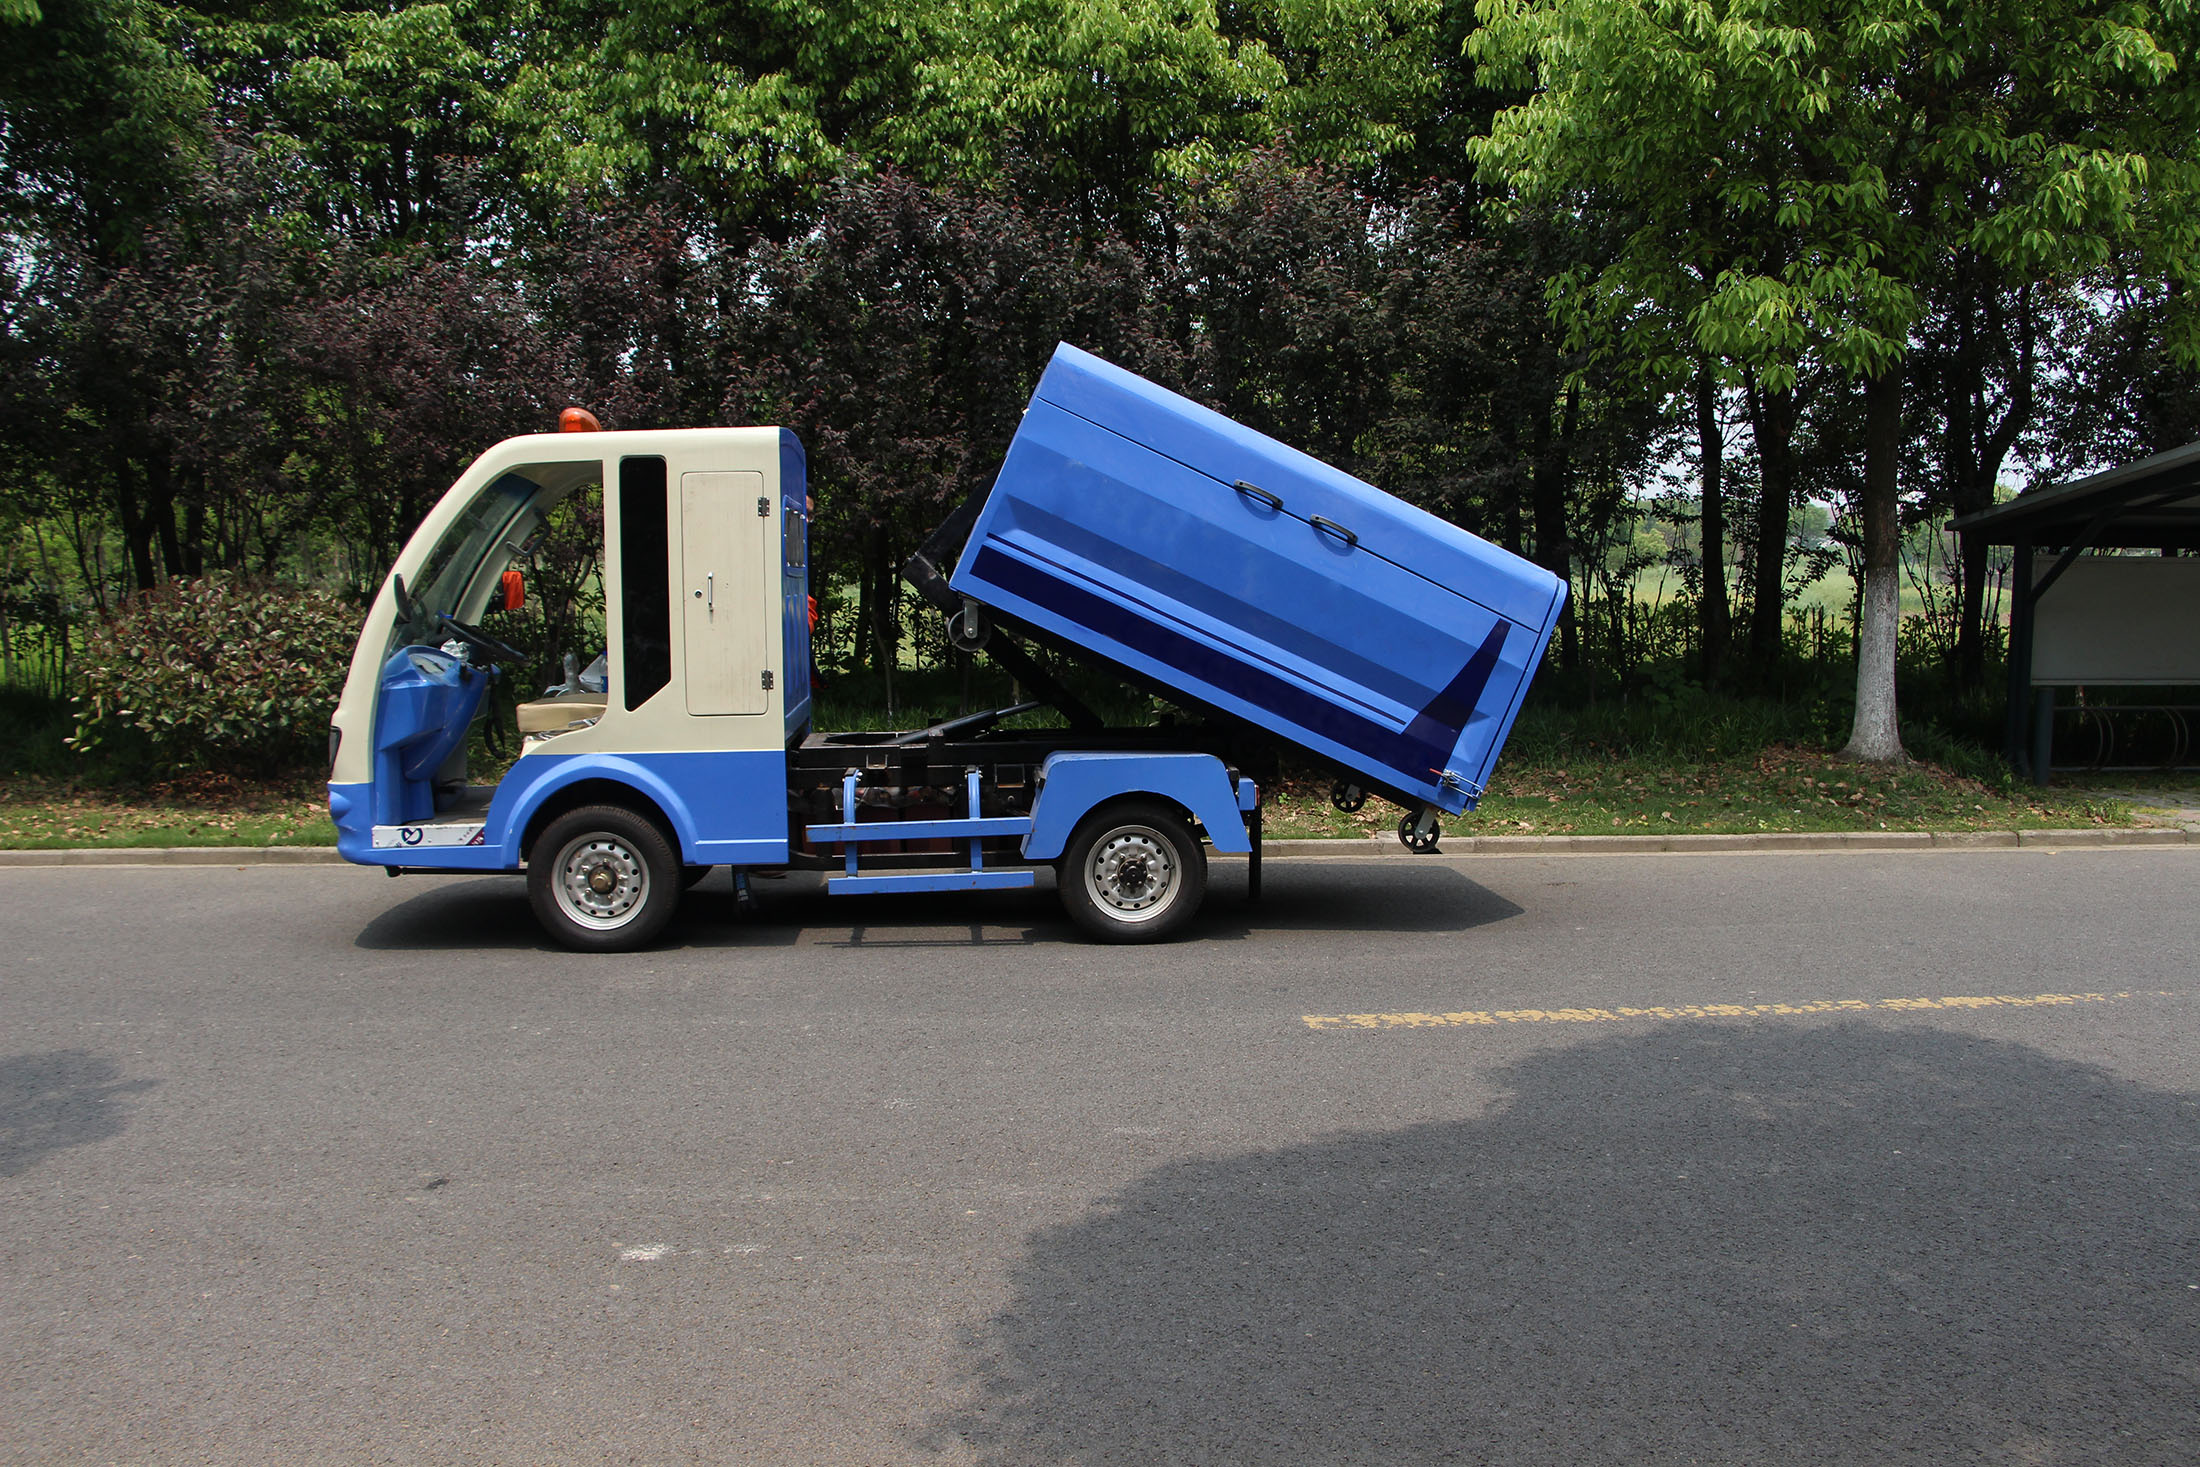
[
  {"x": 1253, "y": 491},
  {"x": 710, "y": 599},
  {"x": 1331, "y": 527}
]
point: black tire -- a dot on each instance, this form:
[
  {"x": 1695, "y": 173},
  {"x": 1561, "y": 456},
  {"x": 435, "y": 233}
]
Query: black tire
[
  {"x": 577, "y": 854},
  {"x": 1133, "y": 872}
]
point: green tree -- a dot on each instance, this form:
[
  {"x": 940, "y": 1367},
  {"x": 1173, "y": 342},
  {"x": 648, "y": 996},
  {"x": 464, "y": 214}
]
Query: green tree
[
  {"x": 381, "y": 113},
  {"x": 1796, "y": 173},
  {"x": 747, "y": 109},
  {"x": 99, "y": 118},
  {"x": 1119, "y": 101}
]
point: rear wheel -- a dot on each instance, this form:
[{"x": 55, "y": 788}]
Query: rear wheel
[
  {"x": 1134, "y": 872},
  {"x": 603, "y": 879}
]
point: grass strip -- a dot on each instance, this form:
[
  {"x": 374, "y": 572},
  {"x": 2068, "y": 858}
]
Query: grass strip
[
  {"x": 201, "y": 810},
  {"x": 1781, "y": 788}
]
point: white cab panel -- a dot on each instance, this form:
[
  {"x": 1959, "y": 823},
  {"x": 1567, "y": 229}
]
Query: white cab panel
[{"x": 728, "y": 582}]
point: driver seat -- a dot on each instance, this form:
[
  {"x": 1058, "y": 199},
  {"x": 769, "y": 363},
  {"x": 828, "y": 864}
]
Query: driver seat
[{"x": 561, "y": 711}]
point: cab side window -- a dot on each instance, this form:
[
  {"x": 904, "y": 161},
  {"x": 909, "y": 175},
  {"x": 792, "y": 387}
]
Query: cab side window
[{"x": 645, "y": 574}]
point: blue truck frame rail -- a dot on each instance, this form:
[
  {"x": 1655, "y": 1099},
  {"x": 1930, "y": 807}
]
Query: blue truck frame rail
[{"x": 851, "y": 834}]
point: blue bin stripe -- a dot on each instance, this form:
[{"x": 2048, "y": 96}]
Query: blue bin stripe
[{"x": 1425, "y": 743}]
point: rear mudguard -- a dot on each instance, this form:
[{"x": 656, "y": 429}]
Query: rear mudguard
[{"x": 1072, "y": 786}]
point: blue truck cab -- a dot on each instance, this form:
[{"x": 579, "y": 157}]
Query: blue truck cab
[{"x": 1288, "y": 608}]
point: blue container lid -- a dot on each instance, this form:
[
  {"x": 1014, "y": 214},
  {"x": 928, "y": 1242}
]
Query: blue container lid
[{"x": 1231, "y": 453}]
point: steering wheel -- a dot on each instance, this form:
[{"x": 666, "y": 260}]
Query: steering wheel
[{"x": 477, "y": 638}]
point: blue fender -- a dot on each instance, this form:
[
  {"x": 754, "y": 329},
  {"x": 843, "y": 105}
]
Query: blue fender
[
  {"x": 1073, "y": 785},
  {"x": 513, "y": 808},
  {"x": 727, "y": 807}
]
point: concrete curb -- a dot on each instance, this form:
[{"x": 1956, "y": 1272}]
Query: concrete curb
[
  {"x": 1384, "y": 846},
  {"x": 177, "y": 856},
  {"x": 1769, "y": 841}
]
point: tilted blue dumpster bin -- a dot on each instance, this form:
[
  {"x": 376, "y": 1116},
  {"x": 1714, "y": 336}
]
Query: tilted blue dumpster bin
[{"x": 1199, "y": 555}]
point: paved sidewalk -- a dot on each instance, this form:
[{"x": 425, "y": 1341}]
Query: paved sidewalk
[{"x": 2174, "y": 809}]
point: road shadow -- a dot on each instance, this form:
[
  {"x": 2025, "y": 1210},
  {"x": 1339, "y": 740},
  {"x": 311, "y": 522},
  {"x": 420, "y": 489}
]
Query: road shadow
[
  {"x": 1701, "y": 1244},
  {"x": 483, "y": 913},
  {"x": 1298, "y": 896},
  {"x": 1377, "y": 895},
  {"x": 492, "y": 912},
  {"x": 1301, "y": 896},
  {"x": 63, "y": 1098}
]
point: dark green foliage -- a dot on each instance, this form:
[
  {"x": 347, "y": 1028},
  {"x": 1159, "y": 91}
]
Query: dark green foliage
[
  {"x": 275, "y": 274},
  {"x": 34, "y": 733},
  {"x": 221, "y": 672}
]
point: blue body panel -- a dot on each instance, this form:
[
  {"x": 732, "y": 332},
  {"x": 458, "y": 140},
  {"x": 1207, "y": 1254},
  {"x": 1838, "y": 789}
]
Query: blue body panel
[
  {"x": 351, "y": 807},
  {"x": 1073, "y": 785},
  {"x": 794, "y": 603},
  {"x": 1201, "y": 556},
  {"x": 726, "y": 809},
  {"x": 428, "y": 698}
]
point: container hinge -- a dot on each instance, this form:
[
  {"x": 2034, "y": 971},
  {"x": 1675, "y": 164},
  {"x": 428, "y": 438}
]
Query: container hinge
[
  {"x": 767, "y": 680},
  {"x": 763, "y": 508}
]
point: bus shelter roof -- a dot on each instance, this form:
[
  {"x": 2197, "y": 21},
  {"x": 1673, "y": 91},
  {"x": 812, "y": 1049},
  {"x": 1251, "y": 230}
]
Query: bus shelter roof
[{"x": 2150, "y": 502}]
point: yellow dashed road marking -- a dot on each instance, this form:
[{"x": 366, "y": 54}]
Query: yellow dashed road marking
[{"x": 1699, "y": 1011}]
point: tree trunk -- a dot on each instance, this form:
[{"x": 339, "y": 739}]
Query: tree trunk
[
  {"x": 1874, "y": 737},
  {"x": 194, "y": 533},
  {"x": 1554, "y": 548},
  {"x": 161, "y": 510},
  {"x": 137, "y": 532},
  {"x": 885, "y": 628},
  {"x": 1772, "y": 424},
  {"x": 1715, "y": 615},
  {"x": 866, "y": 648},
  {"x": 1971, "y": 616},
  {"x": 1979, "y": 443}
]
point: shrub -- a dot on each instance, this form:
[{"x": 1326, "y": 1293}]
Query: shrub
[{"x": 226, "y": 672}]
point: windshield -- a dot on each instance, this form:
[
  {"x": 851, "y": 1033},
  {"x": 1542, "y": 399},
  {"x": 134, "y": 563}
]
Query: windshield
[
  {"x": 458, "y": 555},
  {"x": 482, "y": 541}
]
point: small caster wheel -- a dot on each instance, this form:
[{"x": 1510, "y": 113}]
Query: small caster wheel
[
  {"x": 1418, "y": 838},
  {"x": 968, "y": 630},
  {"x": 1347, "y": 797}
]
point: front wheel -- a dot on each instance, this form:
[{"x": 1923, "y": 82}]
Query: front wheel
[
  {"x": 1134, "y": 872},
  {"x": 603, "y": 879}
]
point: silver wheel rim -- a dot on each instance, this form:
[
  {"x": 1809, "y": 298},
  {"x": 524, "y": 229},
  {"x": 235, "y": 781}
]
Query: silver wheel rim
[
  {"x": 1133, "y": 875},
  {"x": 601, "y": 882}
]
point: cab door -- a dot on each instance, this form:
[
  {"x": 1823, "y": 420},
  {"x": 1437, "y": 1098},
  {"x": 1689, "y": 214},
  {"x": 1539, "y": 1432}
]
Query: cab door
[{"x": 728, "y": 595}]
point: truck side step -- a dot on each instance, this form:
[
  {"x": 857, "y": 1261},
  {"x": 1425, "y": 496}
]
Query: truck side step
[{"x": 931, "y": 881}]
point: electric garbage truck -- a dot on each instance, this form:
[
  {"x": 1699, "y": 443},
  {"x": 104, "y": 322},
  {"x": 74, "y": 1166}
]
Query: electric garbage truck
[{"x": 1288, "y": 609}]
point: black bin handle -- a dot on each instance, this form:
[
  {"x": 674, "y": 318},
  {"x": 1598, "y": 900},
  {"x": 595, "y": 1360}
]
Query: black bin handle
[
  {"x": 1254, "y": 491},
  {"x": 1331, "y": 527}
]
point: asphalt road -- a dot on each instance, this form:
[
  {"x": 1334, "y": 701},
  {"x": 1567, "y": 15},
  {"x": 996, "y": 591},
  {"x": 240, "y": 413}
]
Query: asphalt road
[{"x": 1508, "y": 1160}]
